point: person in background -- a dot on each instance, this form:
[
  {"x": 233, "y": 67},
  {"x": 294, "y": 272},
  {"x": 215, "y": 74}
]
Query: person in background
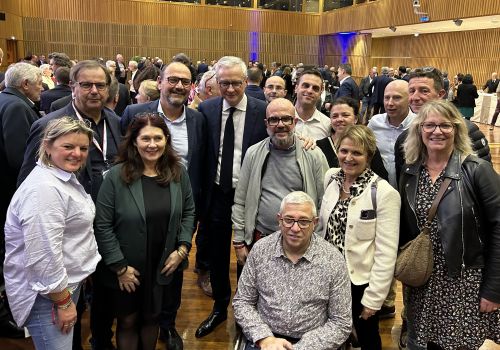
[
  {"x": 47, "y": 76},
  {"x": 144, "y": 225},
  {"x": 360, "y": 217},
  {"x": 148, "y": 91},
  {"x": 49, "y": 237},
  {"x": 458, "y": 306},
  {"x": 466, "y": 96}
]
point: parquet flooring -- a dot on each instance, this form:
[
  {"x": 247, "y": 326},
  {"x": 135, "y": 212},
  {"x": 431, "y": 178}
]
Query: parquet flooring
[{"x": 196, "y": 306}]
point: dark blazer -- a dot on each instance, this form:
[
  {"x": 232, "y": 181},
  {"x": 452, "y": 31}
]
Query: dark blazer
[
  {"x": 377, "y": 164},
  {"x": 254, "y": 131},
  {"x": 17, "y": 114},
  {"x": 60, "y": 103},
  {"x": 378, "y": 84},
  {"x": 466, "y": 95},
  {"x": 348, "y": 88},
  {"x": 364, "y": 87},
  {"x": 36, "y": 133},
  {"x": 255, "y": 92},
  {"x": 491, "y": 86},
  {"x": 52, "y": 95},
  {"x": 121, "y": 229},
  {"x": 202, "y": 68},
  {"x": 123, "y": 99},
  {"x": 197, "y": 141}
]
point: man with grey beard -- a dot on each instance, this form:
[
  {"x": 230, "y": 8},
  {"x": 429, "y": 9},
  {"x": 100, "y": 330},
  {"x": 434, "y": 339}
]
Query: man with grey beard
[{"x": 272, "y": 169}]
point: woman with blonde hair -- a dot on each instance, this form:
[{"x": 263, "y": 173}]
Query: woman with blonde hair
[
  {"x": 458, "y": 306},
  {"x": 148, "y": 91}
]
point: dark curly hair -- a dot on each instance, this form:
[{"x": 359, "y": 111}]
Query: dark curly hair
[{"x": 168, "y": 165}]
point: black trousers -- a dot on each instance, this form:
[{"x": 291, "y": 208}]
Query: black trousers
[
  {"x": 202, "y": 248},
  {"x": 219, "y": 230},
  {"x": 101, "y": 315},
  {"x": 171, "y": 301},
  {"x": 367, "y": 330}
]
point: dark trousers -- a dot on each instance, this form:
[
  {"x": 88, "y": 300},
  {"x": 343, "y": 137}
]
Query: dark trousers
[
  {"x": 378, "y": 108},
  {"x": 495, "y": 115},
  {"x": 366, "y": 330},
  {"x": 171, "y": 301},
  {"x": 101, "y": 316},
  {"x": 219, "y": 228},
  {"x": 202, "y": 248}
]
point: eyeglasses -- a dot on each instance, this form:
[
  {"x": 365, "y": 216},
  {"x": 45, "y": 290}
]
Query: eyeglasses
[
  {"x": 289, "y": 222},
  {"x": 445, "y": 128},
  {"x": 87, "y": 85},
  {"x": 286, "y": 120},
  {"x": 175, "y": 80},
  {"x": 226, "y": 84}
]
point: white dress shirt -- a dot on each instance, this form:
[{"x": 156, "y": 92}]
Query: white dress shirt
[
  {"x": 49, "y": 238},
  {"x": 178, "y": 134},
  {"x": 317, "y": 127}
]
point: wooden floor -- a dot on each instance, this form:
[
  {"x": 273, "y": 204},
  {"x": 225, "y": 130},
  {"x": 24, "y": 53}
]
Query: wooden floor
[{"x": 196, "y": 306}]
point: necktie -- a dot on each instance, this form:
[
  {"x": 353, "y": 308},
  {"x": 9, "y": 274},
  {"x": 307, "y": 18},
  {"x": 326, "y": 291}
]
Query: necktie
[{"x": 226, "y": 166}]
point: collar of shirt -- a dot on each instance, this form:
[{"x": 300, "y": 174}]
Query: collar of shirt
[
  {"x": 280, "y": 252},
  {"x": 57, "y": 172},
  {"x": 179, "y": 120},
  {"x": 241, "y": 106},
  {"x": 314, "y": 117},
  {"x": 406, "y": 122},
  {"x": 344, "y": 79},
  {"x": 103, "y": 115}
]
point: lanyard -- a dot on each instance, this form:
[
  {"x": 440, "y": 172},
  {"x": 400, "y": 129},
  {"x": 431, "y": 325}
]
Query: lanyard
[{"x": 104, "y": 148}]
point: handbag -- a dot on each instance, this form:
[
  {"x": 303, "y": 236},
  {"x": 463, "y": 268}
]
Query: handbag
[{"x": 415, "y": 259}]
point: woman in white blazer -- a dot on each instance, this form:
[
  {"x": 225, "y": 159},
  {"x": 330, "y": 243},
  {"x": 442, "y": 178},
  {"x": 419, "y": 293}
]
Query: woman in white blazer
[{"x": 360, "y": 216}]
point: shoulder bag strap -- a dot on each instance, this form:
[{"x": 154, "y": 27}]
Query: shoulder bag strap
[{"x": 432, "y": 211}]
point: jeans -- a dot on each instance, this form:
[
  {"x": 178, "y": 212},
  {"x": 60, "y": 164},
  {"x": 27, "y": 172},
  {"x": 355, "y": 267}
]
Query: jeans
[{"x": 44, "y": 332}]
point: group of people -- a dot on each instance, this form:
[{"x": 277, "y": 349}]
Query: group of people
[{"x": 316, "y": 229}]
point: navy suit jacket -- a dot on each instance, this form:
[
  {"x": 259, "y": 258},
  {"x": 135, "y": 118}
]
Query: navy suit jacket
[
  {"x": 52, "y": 95},
  {"x": 36, "y": 133},
  {"x": 255, "y": 92},
  {"x": 197, "y": 141},
  {"x": 379, "y": 83},
  {"x": 254, "y": 131},
  {"x": 348, "y": 88}
]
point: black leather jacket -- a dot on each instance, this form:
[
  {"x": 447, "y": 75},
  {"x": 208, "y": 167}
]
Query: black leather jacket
[{"x": 468, "y": 218}]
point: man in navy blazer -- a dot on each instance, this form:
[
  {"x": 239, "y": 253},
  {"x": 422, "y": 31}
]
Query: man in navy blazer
[
  {"x": 62, "y": 89},
  {"x": 90, "y": 83},
  {"x": 348, "y": 86},
  {"x": 188, "y": 132},
  {"x": 234, "y": 123},
  {"x": 378, "y": 85}
]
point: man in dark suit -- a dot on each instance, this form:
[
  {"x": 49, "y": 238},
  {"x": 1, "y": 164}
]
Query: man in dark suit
[
  {"x": 348, "y": 86},
  {"x": 377, "y": 88},
  {"x": 234, "y": 123},
  {"x": 62, "y": 89},
  {"x": 253, "y": 89},
  {"x": 120, "y": 69},
  {"x": 23, "y": 83},
  {"x": 364, "y": 94},
  {"x": 491, "y": 84},
  {"x": 202, "y": 67},
  {"x": 89, "y": 82},
  {"x": 188, "y": 132}
]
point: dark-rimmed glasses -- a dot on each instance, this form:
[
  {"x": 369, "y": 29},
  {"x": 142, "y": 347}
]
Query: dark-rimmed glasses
[
  {"x": 289, "y": 222},
  {"x": 286, "y": 120},
  {"x": 87, "y": 85},
  {"x": 225, "y": 84},
  {"x": 445, "y": 128},
  {"x": 175, "y": 80}
]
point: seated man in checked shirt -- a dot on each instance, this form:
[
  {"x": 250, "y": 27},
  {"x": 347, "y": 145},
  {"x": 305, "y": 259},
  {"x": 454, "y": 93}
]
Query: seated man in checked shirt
[{"x": 294, "y": 291}]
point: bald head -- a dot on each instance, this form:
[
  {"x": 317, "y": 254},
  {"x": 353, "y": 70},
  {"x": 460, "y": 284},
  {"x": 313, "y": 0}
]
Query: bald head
[
  {"x": 274, "y": 88},
  {"x": 396, "y": 101},
  {"x": 280, "y": 104},
  {"x": 280, "y": 122}
]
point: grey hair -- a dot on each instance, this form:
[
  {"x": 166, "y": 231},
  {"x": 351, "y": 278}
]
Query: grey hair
[
  {"x": 133, "y": 63},
  {"x": 60, "y": 127},
  {"x": 385, "y": 70},
  {"x": 44, "y": 66},
  {"x": 207, "y": 76},
  {"x": 298, "y": 197},
  {"x": 230, "y": 62},
  {"x": 19, "y": 72}
]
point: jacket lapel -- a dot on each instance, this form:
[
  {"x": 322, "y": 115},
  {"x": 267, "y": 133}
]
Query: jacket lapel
[
  {"x": 136, "y": 191},
  {"x": 191, "y": 133}
]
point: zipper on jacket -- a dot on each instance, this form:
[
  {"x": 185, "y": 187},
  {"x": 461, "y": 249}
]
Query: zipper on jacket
[
  {"x": 477, "y": 226},
  {"x": 462, "y": 224}
]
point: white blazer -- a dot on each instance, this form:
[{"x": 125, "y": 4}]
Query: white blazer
[{"x": 371, "y": 245}]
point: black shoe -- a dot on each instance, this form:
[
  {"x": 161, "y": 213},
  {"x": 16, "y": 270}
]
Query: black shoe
[
  {"x": 386, "y": 312},
  {"x": 207, "y": 326},
  {"x": 8, "y": 329},
  {"x": 172, "y": 339},
  {"x": 403, "y": 337}
]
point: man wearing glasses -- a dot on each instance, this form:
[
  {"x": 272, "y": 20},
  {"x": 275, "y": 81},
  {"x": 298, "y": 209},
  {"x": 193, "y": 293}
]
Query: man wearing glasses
[
  {"x": 89, "y": 82},
  {"x": 294, "y": 292},
  {"x": 188, "y": 135},
  {"x": 234, "y": 123},
  {"x": 272, "y": 169}
]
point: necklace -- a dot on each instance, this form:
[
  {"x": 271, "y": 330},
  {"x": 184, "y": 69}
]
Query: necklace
[{"x": 343, "y": 190}]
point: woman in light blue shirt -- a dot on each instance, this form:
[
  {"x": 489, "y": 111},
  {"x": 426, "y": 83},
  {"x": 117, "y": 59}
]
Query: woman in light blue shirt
[{"x": 49, "y": 239}]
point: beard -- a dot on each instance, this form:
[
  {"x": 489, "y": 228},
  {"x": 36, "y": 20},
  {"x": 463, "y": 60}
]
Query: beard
[{"x": 283, "y": 143}]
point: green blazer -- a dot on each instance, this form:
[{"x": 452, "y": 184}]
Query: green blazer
[{"x": 120, "y": 224}]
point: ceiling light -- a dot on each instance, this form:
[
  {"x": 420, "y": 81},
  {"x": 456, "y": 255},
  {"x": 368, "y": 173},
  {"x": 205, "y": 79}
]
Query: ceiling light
[
  {"x": 458, "y": 22},
  {"x": 416, "y": 34},
  {"x": 392, "y": 28}
]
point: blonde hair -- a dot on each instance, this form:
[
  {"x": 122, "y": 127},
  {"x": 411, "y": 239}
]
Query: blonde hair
[
  {"x": 61, "y": 127},
  {"x": 150, "y": 88},
  {"x": 414, "y": 147},
  {"x": 361, "y": 136}
]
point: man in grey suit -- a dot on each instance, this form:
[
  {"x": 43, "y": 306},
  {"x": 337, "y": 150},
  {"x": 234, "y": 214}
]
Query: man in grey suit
[
  {"x": 188, "y": 132},
  {"x": 234, "y": 123}
]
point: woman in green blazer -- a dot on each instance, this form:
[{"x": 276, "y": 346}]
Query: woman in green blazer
[{"x": 144, "y": 223}]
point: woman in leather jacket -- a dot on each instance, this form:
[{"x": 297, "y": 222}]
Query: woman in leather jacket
[{"x": 458, "y": 306}]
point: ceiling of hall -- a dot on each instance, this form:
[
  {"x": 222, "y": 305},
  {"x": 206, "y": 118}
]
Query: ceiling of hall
[{"x": 475, "y": 23}]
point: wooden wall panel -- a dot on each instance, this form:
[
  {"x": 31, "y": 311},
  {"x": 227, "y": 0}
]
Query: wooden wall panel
[
  {"x": 11, "y": 27},
  {"x": 384, "y": 13}
]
